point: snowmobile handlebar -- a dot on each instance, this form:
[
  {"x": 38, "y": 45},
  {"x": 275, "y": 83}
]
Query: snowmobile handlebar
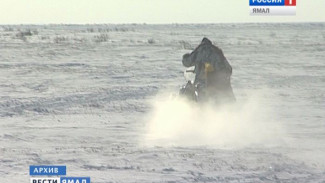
[{"x": 190, "y": 71}]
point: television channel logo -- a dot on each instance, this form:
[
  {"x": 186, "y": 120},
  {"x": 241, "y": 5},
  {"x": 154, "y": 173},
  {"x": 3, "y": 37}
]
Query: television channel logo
[
  {"x": 53, "y": 174},
  {"x": 272, "y": 7}
]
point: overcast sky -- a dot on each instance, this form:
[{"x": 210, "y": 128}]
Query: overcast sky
[{"x": 146, "y": 11}]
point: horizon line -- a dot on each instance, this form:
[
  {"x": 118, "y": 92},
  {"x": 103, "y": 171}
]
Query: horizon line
[{"x": 175, "y": 23}]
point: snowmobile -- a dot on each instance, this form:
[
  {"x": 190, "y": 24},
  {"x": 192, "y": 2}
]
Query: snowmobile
[
  {"x": 190, "y": 90},
  {"x": 196, "y": 90}
]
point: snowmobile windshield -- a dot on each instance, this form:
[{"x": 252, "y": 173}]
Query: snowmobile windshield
[{"x": 189, "y": 74}]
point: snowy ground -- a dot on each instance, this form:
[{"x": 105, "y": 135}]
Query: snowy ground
[{"x": 82, "y": 96}]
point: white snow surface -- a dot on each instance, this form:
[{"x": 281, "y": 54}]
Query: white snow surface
[{"x": 101, "y": 99}]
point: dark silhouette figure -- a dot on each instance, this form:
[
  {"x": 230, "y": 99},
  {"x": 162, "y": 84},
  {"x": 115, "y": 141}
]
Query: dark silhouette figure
[{"x": 212, "y": 70}]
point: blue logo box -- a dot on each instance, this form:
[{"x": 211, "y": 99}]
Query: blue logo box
[
  {"x": 75, "y": 180},
  {"x": 266, "y": 2},
  {"x": 47, "y": 170}
]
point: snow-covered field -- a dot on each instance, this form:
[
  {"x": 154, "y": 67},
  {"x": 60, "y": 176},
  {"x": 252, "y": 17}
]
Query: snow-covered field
[{"x": 97, "y": 99}]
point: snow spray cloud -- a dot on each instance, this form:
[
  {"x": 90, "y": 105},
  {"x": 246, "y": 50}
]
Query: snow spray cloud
[{"x": 178, "y": 122}]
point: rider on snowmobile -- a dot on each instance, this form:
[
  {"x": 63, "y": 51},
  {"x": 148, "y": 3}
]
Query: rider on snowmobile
[{"x": 212, "y": 71}]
